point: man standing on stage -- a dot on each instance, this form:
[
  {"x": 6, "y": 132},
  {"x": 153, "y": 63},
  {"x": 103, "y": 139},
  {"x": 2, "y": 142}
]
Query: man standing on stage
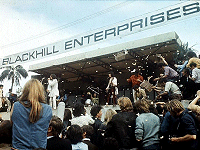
[
  {"x": 53, "y": 90},
  {"x": 135, "y": 79},
  {"x": 1, "y": 95},
  {"x": 112, "y": 89}
]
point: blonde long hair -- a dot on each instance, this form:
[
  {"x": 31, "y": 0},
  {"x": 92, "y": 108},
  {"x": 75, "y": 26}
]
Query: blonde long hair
[
  {"x": 109, "y": 114},
  {"x": 32, "y": 94}
]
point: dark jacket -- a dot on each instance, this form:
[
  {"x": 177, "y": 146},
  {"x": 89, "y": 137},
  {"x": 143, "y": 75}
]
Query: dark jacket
[
  {"x": 56, "y": 143},
  {"x": 122, "y": 128}
]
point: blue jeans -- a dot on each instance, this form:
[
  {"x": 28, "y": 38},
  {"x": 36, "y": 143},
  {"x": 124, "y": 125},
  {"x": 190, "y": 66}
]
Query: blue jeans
[{"x": 152, "y": 147}]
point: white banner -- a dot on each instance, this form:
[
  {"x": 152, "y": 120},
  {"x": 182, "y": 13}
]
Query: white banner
[{"x": 151, "y": 20}]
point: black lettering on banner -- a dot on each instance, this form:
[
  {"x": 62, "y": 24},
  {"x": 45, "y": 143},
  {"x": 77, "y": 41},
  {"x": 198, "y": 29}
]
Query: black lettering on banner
[
  {"x": 122, "y": 28},
  {"x": 68, "y": 45},
  {"x": 36, "y": 55},
  {"x": 10, "y": 61},
  {"x": 79, "y": 43},
  {"x": 98, "y": 36},
  {"x": 18, "y": 59},
  {"x": 54, "y": 51},
  {"x": 146, "y": 21},
  {"x": 48, "y": 53},
  {"x": 172, "y": 12},
  {"x": 25, "y": 59},
  {"x": 158, "y": 18},
  {"x": 136, "y": 23},
  {"x": 190, "y": 10},
  {"x": 88, "y": 37},
  {"x": 31, "y": 55},
  {"x": 5, "y": 61},
  {"x": 107, "y": 32}
]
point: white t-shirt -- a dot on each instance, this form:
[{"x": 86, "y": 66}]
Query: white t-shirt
[
  {"x": 196, "y": 75},
  {"x": 172, "y": 87}
]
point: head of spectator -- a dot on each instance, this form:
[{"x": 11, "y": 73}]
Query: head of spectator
[
  {"x": 96, "y": 111},
  {"x": 162, "y": 82},
  {"x": 32, "y": 95},
  {"x": 55, "y": 127},
  {"x": 88, "y": 131},
  {"x": 6, "y": 132},
  {"x": 1, "y": 86},
  {"x": 142, "y": 106},
  {"x": 193, "y": 65},
  {"x": 67, "y": 115},
  {"x": 161, "y": 66},
  {"x": 79, "y": 110},
  {"x": 136, "y": 88},
  {"x": 109, "y": 114},
  {"x": 186, "y": 72},
  {"x": 110, "y": 143},
  {"x": 75, "y": 134},
  {"x": 191, "y": 54},
  {"x": 175, "y": 108},
  {"x": 125, "y": 104}
]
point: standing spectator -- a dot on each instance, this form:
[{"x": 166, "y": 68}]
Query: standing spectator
[
  {"x": 122, "y": 125},
  {"x": 135, "y": 79},
  {"x": 75, "y": 135},
  {"x": 193, "y": 59},
  {"x": 186, "y": 137},
  {"x": 88, "y": 132},
  {"x": 80, "y": 116},
  {"x": 195, "y": 75},
  {"x": 147, "y": 127},
  {"x": 169, "y": 73},
  {"x": 96, "y": 112},
  {"x": 53, "y": 140},
  {"x": 31, "y": 117},
  {"x": 53, "y": 90}
]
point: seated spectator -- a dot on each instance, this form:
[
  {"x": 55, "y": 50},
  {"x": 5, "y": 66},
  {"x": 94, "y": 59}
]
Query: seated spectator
[
  {"x": 75, "y": 135},
  {"x": 139, "y": 92},
  {"x": 186, "y": 132},
  {"x": 80, "y": 116},
  {"x": 195, "y": 76},
  {"x": 88, "y": 132},
  {"x": 5, "y": 134},
  {"x": 185, "y": 85},
  {"x": 171, "y": 89},
  {"x": 96, "y": 112},
  {"x": 31, "y": 116},
  {"x": 108, "y": 116},
  {"x": 147, "y": 127},
  {"x": 53, "y": 140},
  {"x": 122, "y": 125},
  {"x": 193, "y": 59}
]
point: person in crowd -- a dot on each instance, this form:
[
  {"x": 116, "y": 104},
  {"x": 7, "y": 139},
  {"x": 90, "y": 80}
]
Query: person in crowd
[
  {"x": 185, "y": 85},
  {"x": 108, "y": 116},
  {"x": 66, "y": 121},
  {"x": 147, "y": 127},
  {"x": 169, "y": 73},
  {"x": 193, "y": 105},
  {"x": 5, "y": 134},
  {"x": 122, "y": 125},
  {"x": 1, "y": 96},
  {"x": 111, "y": 88},
  {"x": 96, "y": 112},
  {"x": 135, "y": 79},
  {"x": 30, "y": 116},
  {"x": 88, "y": 100},
  {"x": 171, "y": 89},
  {"x": 139, "y": 93},
  {"x": 53, "y": 140},
  {"x": 88, "y": 132},
  {"x": 192, "y": 59},
  {"x": 53, "y": 90},
  {"x": 75, "y": 135},
  {"x": 186, "y": 134},
  {"x": 80, "y": 117},
  {"x": 111, "y": 143},
  {"x": 195, "y": 75},
  {"x": 95, "y": 99}
]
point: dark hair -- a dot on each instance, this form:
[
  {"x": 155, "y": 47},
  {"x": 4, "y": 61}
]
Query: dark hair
[
  {"x": 57, "y": 125},
  {"x": 186, "y": 70},
  {"x": 136, "y": 86},
  {"x": 53, "y": 76},
  {"x": 162, "y": 80},
  {"x": 191, "y": 54},
  {"x": 75, "y": 134},
  {"x": 88, "y": 129},
  {"x": 67, "y": 115},
  {"x": 193, "y": 64},
  {"x": 78, "y": 110},
  {"x": 95, "y": 110},
  {"x": 160, "y": 65},
  {"x": 110, "y": 143},
  {"x": 112, "y": 73},
  {"x": 6, "y": 132},
  {"x": 1, "y": 85}
]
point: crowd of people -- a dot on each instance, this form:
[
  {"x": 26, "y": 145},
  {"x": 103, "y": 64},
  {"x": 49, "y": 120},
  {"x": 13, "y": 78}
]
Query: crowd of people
[{"x": 141, "y": 124}]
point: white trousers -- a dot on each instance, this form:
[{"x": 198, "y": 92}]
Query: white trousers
[{"x": 52, "y": 102}]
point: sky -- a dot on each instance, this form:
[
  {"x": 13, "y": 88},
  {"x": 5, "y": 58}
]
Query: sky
[{"x": 28, "y": 24}]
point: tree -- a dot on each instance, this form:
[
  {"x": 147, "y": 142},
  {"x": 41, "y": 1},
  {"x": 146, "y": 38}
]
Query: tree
[{"x": 14, "y": 74}]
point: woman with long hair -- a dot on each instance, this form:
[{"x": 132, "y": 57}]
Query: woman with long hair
[{"x": 31, "y": 117}]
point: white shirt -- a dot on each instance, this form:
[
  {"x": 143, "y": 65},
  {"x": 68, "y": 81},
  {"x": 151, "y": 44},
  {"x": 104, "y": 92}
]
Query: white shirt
[
  {"x": 82, "y": 120},
  {"x": 113, "y": 82},
  {"x": 53, "y": 88},
  {"x": 196, "y": 75},
  {"x": 172, "y": 87}
]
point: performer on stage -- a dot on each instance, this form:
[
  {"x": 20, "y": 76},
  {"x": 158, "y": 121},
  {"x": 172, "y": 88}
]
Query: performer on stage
[
  {"x": 112, "y": 89},
  {"x": 53, "y": 90}
]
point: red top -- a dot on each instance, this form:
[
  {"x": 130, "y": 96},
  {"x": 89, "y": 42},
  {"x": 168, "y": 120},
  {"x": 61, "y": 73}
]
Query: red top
[{"x": 134, "y": 81}]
